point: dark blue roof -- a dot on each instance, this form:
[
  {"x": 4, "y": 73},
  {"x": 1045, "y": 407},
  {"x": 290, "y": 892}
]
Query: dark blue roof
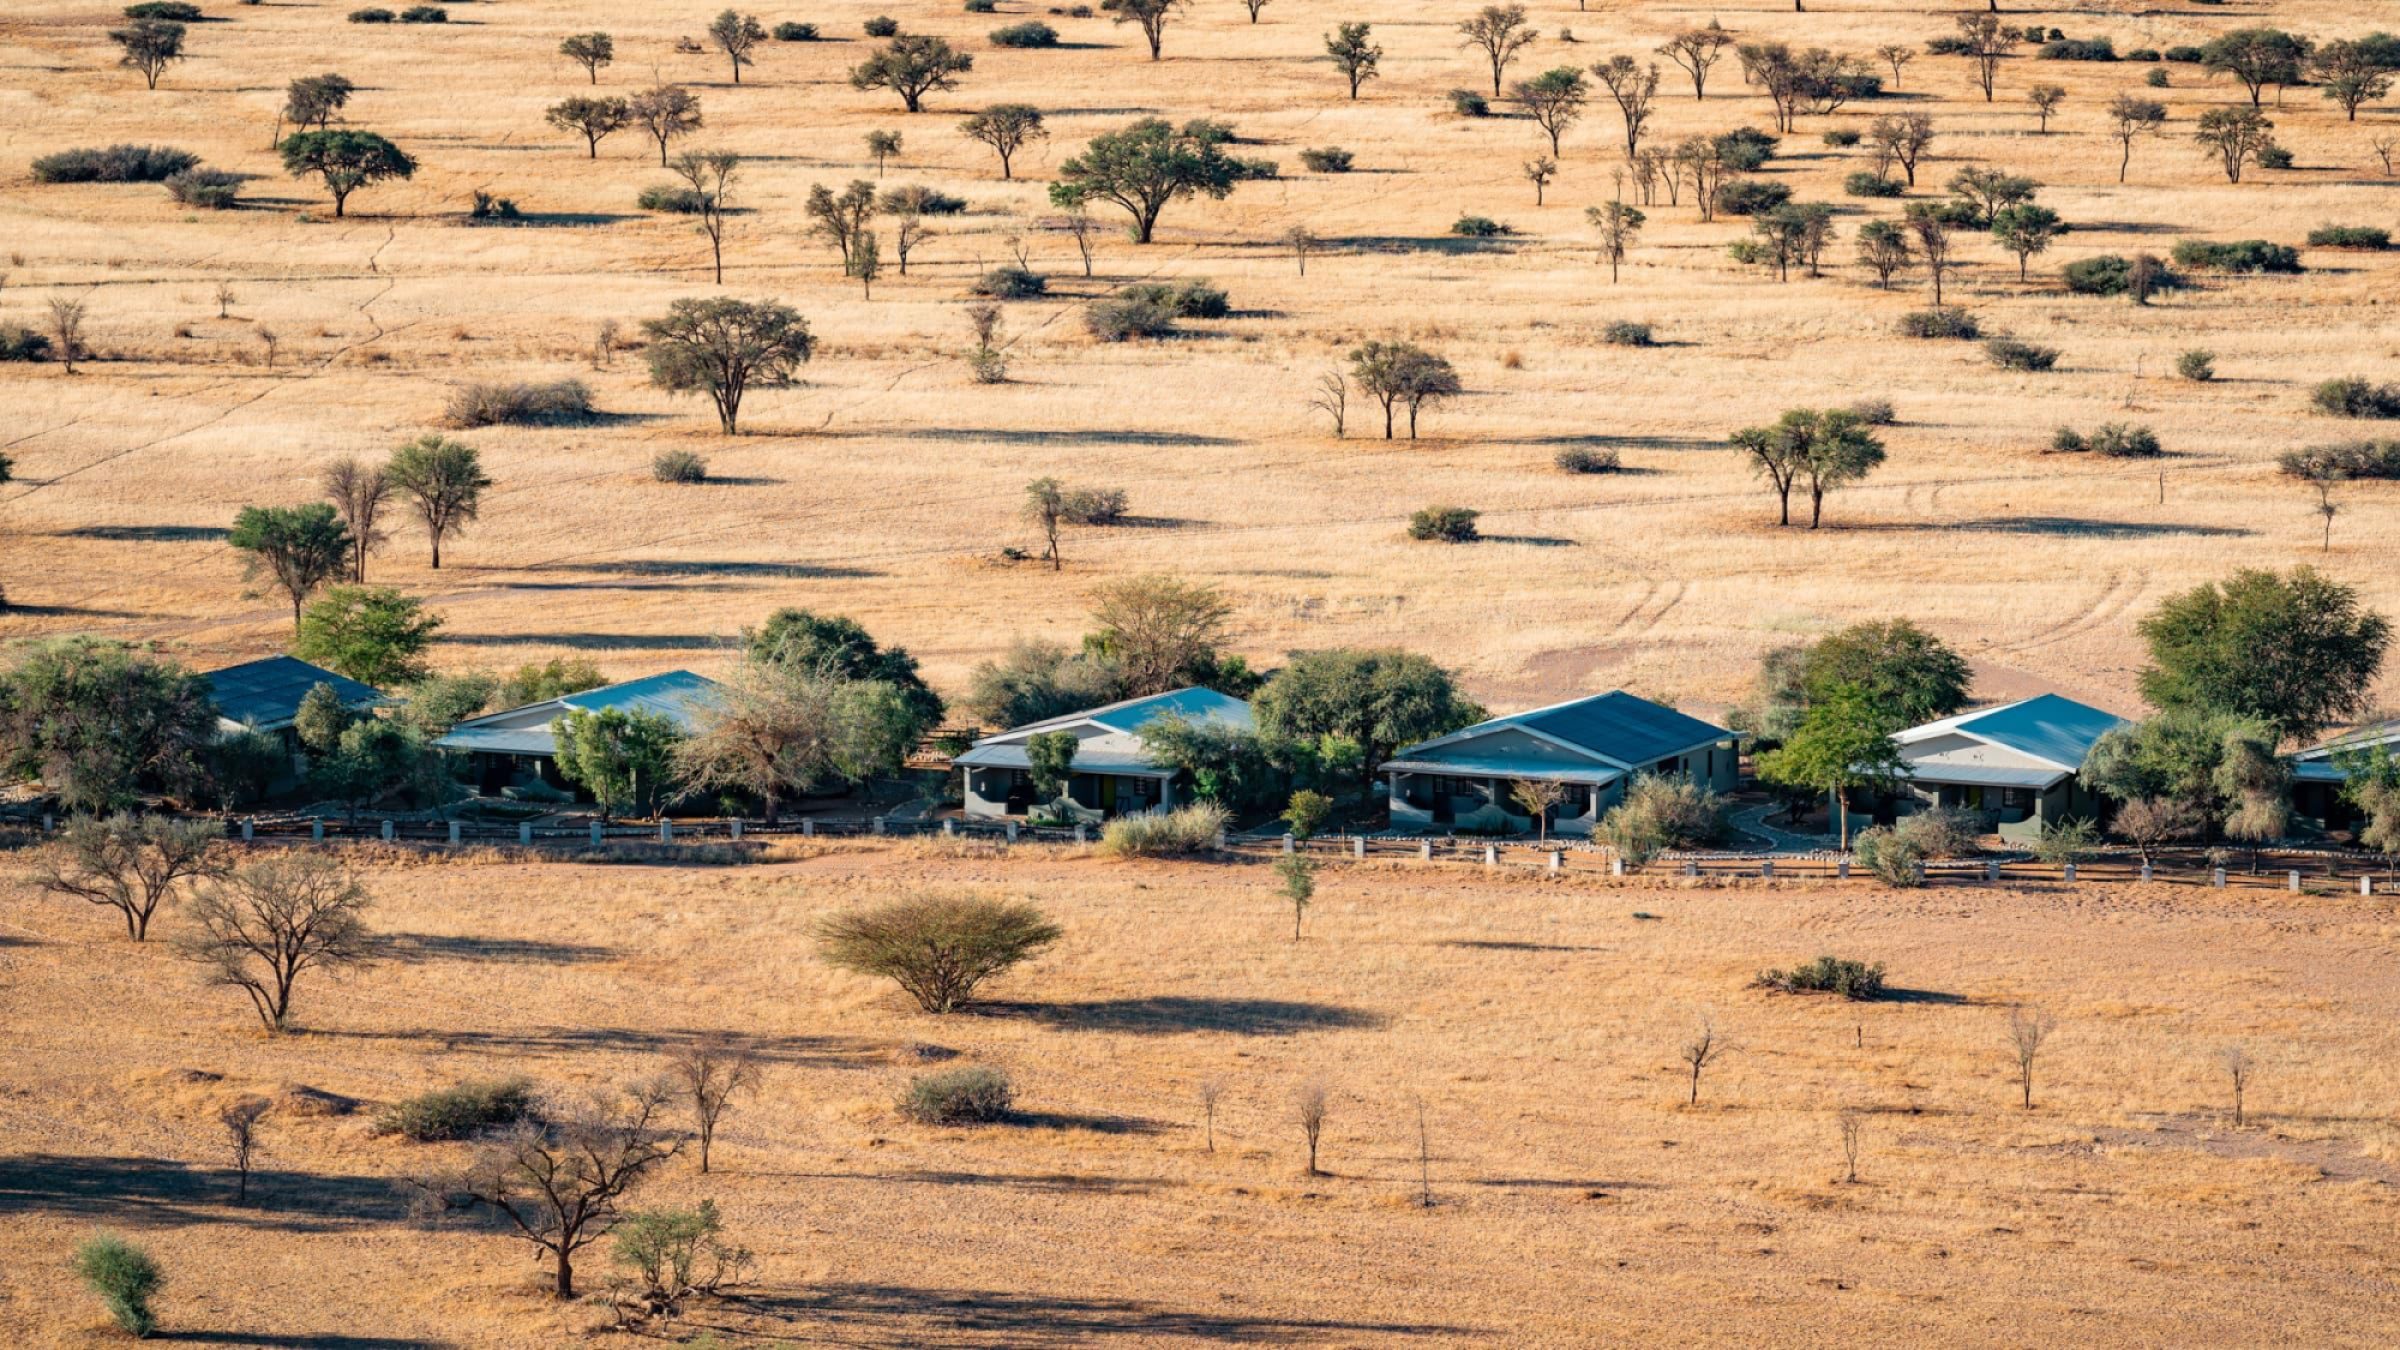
[
  {"x": 1627, "y": 729},
  {"x": 266, "y": 694}
]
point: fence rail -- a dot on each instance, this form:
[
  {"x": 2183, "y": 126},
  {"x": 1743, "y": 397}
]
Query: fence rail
[{"x": 2303, "y": 871}]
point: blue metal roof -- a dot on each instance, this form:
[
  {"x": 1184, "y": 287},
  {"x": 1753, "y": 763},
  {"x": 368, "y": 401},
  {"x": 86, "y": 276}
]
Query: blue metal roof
[
  {"x": 677, "y": 695},
  {"x": 1615, "y": 725},
  {"x": 1131, "y": 715},
  {"x": 266, "y": 694},
  {"x": 2047, "y": 727}
]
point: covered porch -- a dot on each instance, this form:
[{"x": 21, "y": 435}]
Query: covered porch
[
  {"x": 1001, "y": 790},
  {"x": 1442, "y": 798},
  {"x": 2016, "y": 805}
]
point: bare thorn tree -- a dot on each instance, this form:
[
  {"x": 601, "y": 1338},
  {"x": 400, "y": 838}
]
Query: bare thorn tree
[
  {"x": 224, "y": 300},
  {"x": 358, "y": 491},
  {"x": 263, "y": 925},
  {"x": 1853, "y": 1125},
  {"x": 1078, "y": 223},
  {"x": 1424, "y": 1159},
  {"x": 241, "y": 1138},
  {"x": 2028, "y": 1028},
  {"x": 1701, "y": 1049},
  {"x": 1333, "y": 399},
  {"x": 132, "y": 864},
  {"x": 66, "y": 329},
  {"x": 2238, "y": 1067},
  {"x": 711, "y": 175},
  {"x": 1210, "y": 1090},
  {"x": 710, "y": 1073},
  {"x": 1308, "y": 1107},
  {"x": 1302, "y": 244}
]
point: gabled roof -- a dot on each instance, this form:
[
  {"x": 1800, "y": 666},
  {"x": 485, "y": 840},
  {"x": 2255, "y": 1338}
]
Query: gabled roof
[
  {"x": 677, "y": 695},
  {"x": 1129, "y": 716},
  {"x": 2320, "y": 763},
  {"x": 266, "y": 694},
  {"x": 2056, "y": 731},
  {"x": 1625, "y": 731}
]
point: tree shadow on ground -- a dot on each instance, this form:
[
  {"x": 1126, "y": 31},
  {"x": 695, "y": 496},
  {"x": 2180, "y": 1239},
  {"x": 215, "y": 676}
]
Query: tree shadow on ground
[
  {"x": 1047, "y": 1183},
  {"x": 1164, "y": 439},
  {"x": 1499, "y": 945},
  {"x": 313, "y": 1340},
  {"x": 591, "y": 642},
  {"x": 822, "y": 1052},
  {"x": 1892, "y": 993},
  {"x": 1167, "y": 1014},
  {"x": 2065, "y": 526},
  {"x": 145, "y": 534},
  {"x": 890, "y": 1314},
  {"x": 649, "y": 567},
  {"x": 1070, "y": 1120},
  {"x": 162, "y": 1190},
  {"x": 412, "y": 947}
]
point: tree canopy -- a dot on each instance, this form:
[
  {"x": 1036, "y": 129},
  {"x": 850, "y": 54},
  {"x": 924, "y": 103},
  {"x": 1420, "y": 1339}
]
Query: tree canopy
[
  {"x": 1381, "y": 698},
  {"x": 373, "y": 634},
  {"x": 346, "y": 160},
  {"x": 723, "y": 347},
  {"x": 623, "y": 758},
  {"x": 2296, "y": 650},
  {"x": 98, "y": 722},
  {"x": 845, "y": 648},
  {"x": 1149, "y": 164},
  {"x": 1844, "y": 742},
  {"x": 299, "y": 548}
]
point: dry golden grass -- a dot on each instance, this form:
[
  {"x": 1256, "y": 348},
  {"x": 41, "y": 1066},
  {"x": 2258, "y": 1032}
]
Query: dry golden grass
[
  {"x": 875, "y": 489},
  {"x": 1577, "y": 1199}
]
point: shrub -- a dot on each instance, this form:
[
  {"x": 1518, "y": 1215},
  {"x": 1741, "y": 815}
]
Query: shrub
[
  {"x": 1326, "y": 159},
  {"x": 1194, "y": 299},
  {"x": 795, "y": 32},
  {"x": 2274, "y": 157},
  {"x": 124, "y": 1277},
  {"x": 1887, "y": 857},
  {"x": 116, "y": 164},
  {"x": 424, "y": 14},
  {"x": 371, "y": 14},
  {"x": 2350, "y": 396},
  {"x": 1751, "y": 196},
  {"x": 1468, "y": 103},
  {"x": 667, "y": 197},
  {"x": 1626, "y": 333},
  {"x": 2010, "y": 354},
  {"x": 1095, "y": 506},
  {"x": 1449, "y": 524},
  {"x": 1746, "y": 148},
  {"x": 679, "y": 466},
  {"x": 459, "y": 1112},
  {"x": 2109, "y": 274},
  {"x": 1478, "y": 227},
  {"x": 1875, "y": 412},
  {"x": 1581, "y": 459},
  {"x": 2121, "y": 440},
  {"x": 2349, "y": 236},
  {"x": 485, "y": 206},
  {"x": 2076, "y": 49},
  {"x": 1033, "y": 34},
  {"x": 2351, "y": 459},
  {"x": 2198, "y": 365},
  {"x": 2187, "y": 54},
  {"x": 1841, "y": 138},
  {"x": 983, "y": 6},
  {"x": 883, "y": 26},
  {"x": 1939, "y": 833},
  {"x": 2142, "y": 54},
  {"x": 966, "y": 1096},
  {"x": 1121, "y": 318},
  {"x": 22, "y": 344},
  {"x": 1827, "y": 975},
  {"x": 1659, "y": 813},
  {"x": 213, "y": 189},
  {"x": 2156, "y": 78},
  {"x": 938, "y": 948},
  {"x": 919, "y": 199},
  {"x": 2242, "y": 255},
  {"x": 520, "y": 404},
  {"x": 1010, "y": 283},
  {"x": 1949, "y": 321},
  {"x": 1866, "y": 183},
  {"x": 168, "y": 11},
  {"x": 1946, "y": 45},
  {"x": 1191, "y": 828}
]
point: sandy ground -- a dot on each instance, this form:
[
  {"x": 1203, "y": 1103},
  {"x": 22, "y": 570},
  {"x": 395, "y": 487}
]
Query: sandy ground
[{"x": 1577, "y": 1199}]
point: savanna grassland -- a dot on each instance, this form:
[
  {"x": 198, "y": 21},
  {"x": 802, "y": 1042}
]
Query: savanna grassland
[
  {"x": 1577, "y": 1198},
  {"x": 885, "y": 486}
]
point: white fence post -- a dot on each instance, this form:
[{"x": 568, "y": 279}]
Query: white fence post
[
  {"x": 454, "y": 832},
  {"x": 1287, "y": 843},
  {"x": 1991, "y": 870},
  {"x": 1841, "y": 870},
  {"x": 736, "y": 826},
  {"x": 2366, "y": 887},
  {"x": 249, "y": 829},
  {"x": 525, "y": 833},
  {"x": 1557, "y": 860},
  {"x": 2070, "y": 872},
  {"x": 878, "y": 824},
  {"x": 1766, "y": 869},
  {"x": 1358, "y": 849},
  {"x": 808, "y": 828},
  {"x": 1491, "y": 855},
  {"x": 2145, "y": 871},
  {"x": 2293, "y": 879},
  {"x": 2217, "y": 878},
  {"x": 1011, "y": 828},
  {"x": 595, "y": 834},
  {"x": 316, "y": 831},
  {"x": 1691, "y": 867},
  {"x": 666, "y": 832},
  {"x": 1082, "y": 835},
  {"x": 387, "y": 831},
  {"x": 1220, "y": 843},
  {"x": 1616, "y": 864},
  {"x": 949, "y": 825}
]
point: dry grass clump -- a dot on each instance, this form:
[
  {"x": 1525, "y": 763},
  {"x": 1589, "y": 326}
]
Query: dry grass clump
[
  {"x": 518, "y": 403},
  {"x": 1191, "y": 828}
]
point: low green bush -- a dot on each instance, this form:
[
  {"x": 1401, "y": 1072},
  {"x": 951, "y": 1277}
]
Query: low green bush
[
  {"x": 1326, "y": 159},
  {"x": 168, "y": 11},
  {"x": 2010, "y": 354},
  {"x": 1939, "y": 832},
  {"x": 1122, "y": 318},
  {"x": 124, "y": 1276},
  {"x": 1449, "y": 524},
  {"x": 520, "y": 403},
  {"x": 882, "y": 26},
  {"x": 371, "y": 14},
  {"x": 1841, "y": 138},
  {"x": 673, "y": 200},
  {"x": 1867, "y": 183},
  {"x": 22, "y": 344},
  {"x": 210, "y": 189},
  {"x": 795, "y": 32},
  {"x": 1751, "y": 196},
  {"x": 1875, "y": 412},
  {"x": 2351, "y": 396},
  {"x": 963, "y": 1096},
  {"x": 1034, "y": 34},
  {"x": 917, "y": 199},
  {"x": 1190, "y": 828},
  {"x": 424, "y": 14},
  {"x": 1887, "y": 857},
  {"x": 1193, "y": 299},
  {"x": 2198, "y": 365},
  {"x": 1010, "y": 283},
  {"x": 2076, "y": 49},
  {"x": 459, "y": 1112},
  {"x": 1827, "y": 975},
  {"x": 2351, "y": 459},
  {"x": 1582, "y": 459},
  {"x": 679, "y": 466},
  {"x": 115, "y": 164},
  {"x": 1468, "y": 103},
  {"x": 1949, "y": 321},
  {"x": 1478, "y": 227},
  {"x": 2241, "y": 255},
  {"x": 2349, "y": 236}
]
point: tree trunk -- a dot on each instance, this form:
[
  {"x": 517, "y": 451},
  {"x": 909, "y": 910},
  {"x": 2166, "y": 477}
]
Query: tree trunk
[
  {"x": 1841, "y": 808},
  {"x": 437, "y": 549},
  {"x": 565, "y": 1286}
]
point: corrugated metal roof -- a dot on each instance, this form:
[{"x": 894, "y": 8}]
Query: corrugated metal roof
[
  {"x": 1507, "y": 766},
  {"x": 1971, "y": 774},
  {"x": 1131, "y": 715},
  {"x": 1615, "y": 725},
  {"x": 2359, "y": 738},
  {"x": 1012, "y": 756},
  {"x": 677, "y": 695},
  {"x": 266, "y": 694},
  {"x": 2055, "y": 730}
]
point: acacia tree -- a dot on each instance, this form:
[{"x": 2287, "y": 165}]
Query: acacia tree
[
  {"x": 149, "y": 46},
  {"x": 737, "y": 35},
  {"x": 1986, "y": 41},
  {"x": 723, "y": 347},
  {"x": 1402, "y": 373},
  {"x": 1883, "y": 249},
  {"x": 2025, "y": 229},
  {"x": 842, "y": 220},
  {"x": 2237, "y": 136},
  {"x": 710, "y": 1073},
  {"x": 913, "y": 66},
  {"x": 2352, "y": 74},
  {"x": 1161, "y": 631},
  {"x": 710, "y": 174},
  {"x": 444, "y": 480},
  {"x": 132, "y": 864},
  {"x": 1619, "y": 225},
  {"x": 1933, "y": 242},
  {"x": 591, "y": 118},
  {"x": 1634, "y": 88},
  {"x": 1150, "y": 14},
  {"x": 1353, "y": 54},
  {"x": 2130, "y": 119},
  {"x": 665, "y": 112},
  {"x": 590, "y": 51},
  {"x": 623, "y": 758},
  {"x": 1698, "y": 49},
  {"x": 358, "y": 490},
  {"x": 1844, "y": 742},
  {"x": 2045, "y": 99},
  {"x": 561, "y": 1182},
  {"x": 1147, "y": 165},
  {"x": 937, "y": 948},
  {"x": 312, "y": 101},
  {"x": 298, "y": 548},
  {"x": 1554, "y": 100},
  {"x": 779, "y": 728},
  {"x": 1901, "y": 140},
  {"x": 1254, "y": 6},
  {"x": 1501, "y": 31},
  {"x": 1046, "y": 509},
  {"x": 1829, "y": 449},
  {"x": 1005, "y": 127},
  {"x": 261, "y": 926},
  {"x": 98, "y": 723},
  {"x": 2297, "y": 651},
  {"x": 346, "y": 160},
  {"x": 2257, "y": 57}
]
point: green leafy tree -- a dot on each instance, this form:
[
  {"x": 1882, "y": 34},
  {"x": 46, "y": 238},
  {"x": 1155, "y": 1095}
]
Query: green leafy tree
[
  {"x": 2178, "y": 758},
  {"x": 444, "y": 480},
  {"x": 2026, "y": 229},
  {"x": 938, "y": 948},
  {"x": 124, "y": 1277},
  {"x": 913, "y": 66},
  {"x": 723, "y": 347},
  {"x": 1147, "y": 165},
  {"x": 1353, "y": 53},
  {"x": 541, "y": 681},
  {"x": 1036, "y": 681},
  {"x": 622, "y": 758},
  {"x": 780, "y": 729},
  {"x": 379, "y": 758},
  {"x": 312, "y": 101},
  {"x": 1161, "y": 632},
  {"x": 1151, "y": 15},
  {"x": 1050, "y": 757},
  {"x": 2237, "y": 136},
  {"x": 2353, "y": 73},
  {"x": 1006, "y": 128},
  {"x": 149, "y": 46},
  {"x": 1501, "y": 32},
  {"x": 2130, "y": 119},
  {"x": 1842, "y": 743},
  {"x": 2373, "y": 787},
  {"x": 298, "y": 548},
  {"x": 1299, "y": 876},
  {"x": 321, "y": 719},
  {"x": 1554, "y": 100},
  {"x": 373, "y": 634},
  {"x": 737, "y": 35},
  {"x": 1901, "y": 668},
  {"x": 346, "y": 160},
  {"x": 1402, "y": 374},
  {"x": 2257, "y": 57},
  {"x": 2295, "y": 650},
  {"x": 439, "y": 702},
  {"x": 1826, "y": 450},
  {"x": 843, "y": 646},
  {"x": 96, "y": 722},
  {"x": 1379, "y": 699},
  {"x": 1306, "y": 813},
  {"x": 591, "y": 118},
  {"x": 590, "y": 51}
]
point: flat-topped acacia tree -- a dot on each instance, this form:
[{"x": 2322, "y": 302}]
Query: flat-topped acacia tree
[
  {"x": 346, "y": 160},
  {"x": 722, "y": 347},
  {"x": 1149, "y": 164},
  {"x": 590, "y": 51},
  {"x": 1152, "y": 15},
  {"x": 913, "y": 66}
]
